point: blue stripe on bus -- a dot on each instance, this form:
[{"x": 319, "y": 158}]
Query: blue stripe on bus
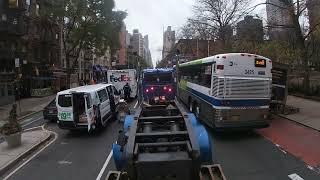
[{"x": 232, "y": 103}]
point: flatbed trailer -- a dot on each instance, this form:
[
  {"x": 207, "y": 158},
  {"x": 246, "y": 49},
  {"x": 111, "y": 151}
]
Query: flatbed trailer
[{"x": 163, "y": 142}]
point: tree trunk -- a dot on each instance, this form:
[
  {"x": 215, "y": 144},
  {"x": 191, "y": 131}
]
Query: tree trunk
[
  {"x": 68, "y": 71},
  {"x": 304, "y": 53}
]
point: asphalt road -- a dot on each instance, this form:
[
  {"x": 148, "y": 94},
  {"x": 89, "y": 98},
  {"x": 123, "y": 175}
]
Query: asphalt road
[{"x": 80, "y": 156}]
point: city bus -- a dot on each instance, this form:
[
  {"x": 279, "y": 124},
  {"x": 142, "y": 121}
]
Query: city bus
[
  {"x": 227, "y": 91},
  {"x": 158, "y": 85}
]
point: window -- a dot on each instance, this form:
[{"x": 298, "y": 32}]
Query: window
[
  {"x": 103, "y": 95},
  {"x": 4, "y": 17},
  {"x": 52, "y": 103},
  {"x": 15, "y": 21},
  {"x": 2, "y": 91},
  {"x": 200, "y": 75},
  {"x": 13, "y": 3},
  {"x": 65, "y": 101},
  {"x": 10, "y": 90},
  {"x": 88, "y": 99},
  {"x": 37, "y": 9},
  {"x": 156, "y": 78}
]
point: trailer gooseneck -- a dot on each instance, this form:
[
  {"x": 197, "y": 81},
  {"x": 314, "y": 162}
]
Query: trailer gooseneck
[{"x": 163, "y": 142}]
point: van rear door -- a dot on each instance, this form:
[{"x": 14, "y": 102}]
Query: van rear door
[
  {"x": 104, "y": 107},
  {"x": 64, "y": 105},
  {"x": 89, "y": 110}
]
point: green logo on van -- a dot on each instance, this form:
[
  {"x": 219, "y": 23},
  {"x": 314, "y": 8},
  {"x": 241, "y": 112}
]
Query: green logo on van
[{"x": 65, "y": 115}]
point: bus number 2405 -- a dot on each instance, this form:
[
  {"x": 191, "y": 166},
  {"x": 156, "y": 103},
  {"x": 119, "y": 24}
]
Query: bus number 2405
[{"x": 247, "y": 71}]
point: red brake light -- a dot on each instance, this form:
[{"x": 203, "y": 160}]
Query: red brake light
[
  {"x": 152, "y": 88},
  {"x": 170, "y": 90},
  {"x": 165, "y": 88},
  {"x": 221, "y": 67},
  {"x": 147, "y": 90}
]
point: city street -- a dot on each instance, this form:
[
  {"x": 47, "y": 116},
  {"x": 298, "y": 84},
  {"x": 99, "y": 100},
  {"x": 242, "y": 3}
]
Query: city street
[{"x": 78, "y": 155}]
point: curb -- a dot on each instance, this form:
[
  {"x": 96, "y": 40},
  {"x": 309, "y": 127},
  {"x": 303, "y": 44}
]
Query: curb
[
  {"x": 30, "y": 114},
  {"x": 18, "y": 159},
  {"x": 298, "y": 122}
]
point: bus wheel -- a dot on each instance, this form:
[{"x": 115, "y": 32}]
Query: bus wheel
[
  {"x": 190, "y": 106},
  {"x": 197, "y": 110}
]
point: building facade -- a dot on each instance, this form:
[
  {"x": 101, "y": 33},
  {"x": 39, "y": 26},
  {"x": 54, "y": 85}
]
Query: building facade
[
  {"x": 137, "y": 42},
  {"x": 123, "y": 46},
  {"x": 279, "y": 17},
  {"x": 250, "y": 29},
  {"x": 169, "y": 38},
  {"x": 191, "y": 49},
  {"x": 30, "y": 49},
  {"x": 146, "y": 51}
]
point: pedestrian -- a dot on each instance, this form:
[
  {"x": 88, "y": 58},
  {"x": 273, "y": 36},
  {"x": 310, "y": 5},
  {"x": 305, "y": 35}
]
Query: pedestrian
[{"x": 126, "y": 91}]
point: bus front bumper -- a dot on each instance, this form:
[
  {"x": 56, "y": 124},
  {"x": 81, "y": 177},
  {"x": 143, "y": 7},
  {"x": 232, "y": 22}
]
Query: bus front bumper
[{"x": 241, "y": 125}]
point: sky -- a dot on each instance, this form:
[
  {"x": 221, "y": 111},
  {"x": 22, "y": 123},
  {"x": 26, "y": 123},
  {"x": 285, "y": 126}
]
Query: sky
[{"x": 152, "y": 17}]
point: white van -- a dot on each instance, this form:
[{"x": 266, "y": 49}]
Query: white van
[
  {"x": 119, "y": 78},
  {"x": 86, "y": 106}
]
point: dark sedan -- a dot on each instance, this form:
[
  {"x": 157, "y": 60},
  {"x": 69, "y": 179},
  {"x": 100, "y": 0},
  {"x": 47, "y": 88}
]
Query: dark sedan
[{"x": 50, "y": 112}]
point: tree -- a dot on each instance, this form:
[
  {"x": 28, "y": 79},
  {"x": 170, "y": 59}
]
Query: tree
[
  {"x": 87, "y": 25},
  {"x": 297, "y": 10},
  {"x": 214, "y": 19}
]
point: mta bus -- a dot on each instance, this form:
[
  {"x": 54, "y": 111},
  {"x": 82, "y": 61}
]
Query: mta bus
[
  {"x": 158, "y": 85},
  {"x": 228, "y": 91}
]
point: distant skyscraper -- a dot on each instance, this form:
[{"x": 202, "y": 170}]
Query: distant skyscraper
[
  {"x": 137, "y": 42},
  {"x": 169, "y": 38},
  {"x": 250, "y": 29},
  {"x": 278, "y": 16}
]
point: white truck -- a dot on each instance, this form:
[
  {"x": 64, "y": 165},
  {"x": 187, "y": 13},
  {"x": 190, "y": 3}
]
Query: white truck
[{"x": 119, "y": 78}]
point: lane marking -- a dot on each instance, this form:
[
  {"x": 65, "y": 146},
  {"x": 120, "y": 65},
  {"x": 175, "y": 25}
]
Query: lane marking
[
  {"x": 136, "y": 104},
  {"x": 105, "y": 165},
  {"x": 33, "y": 156},
  {"x": 64, "y": 162},
  {"x": 24, "y": 125},
  {"x": 295, "y": 176}
]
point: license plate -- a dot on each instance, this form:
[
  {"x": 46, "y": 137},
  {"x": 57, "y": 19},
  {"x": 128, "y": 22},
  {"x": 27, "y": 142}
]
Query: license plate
[
  {"x": 235, "y": 118},
  {"x": 156, "y": 98}
]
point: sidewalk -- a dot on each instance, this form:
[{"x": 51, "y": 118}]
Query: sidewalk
[
  {"x": 28, "y": 106},
  {"x": 309, "y": 114},
  {"x": 31, "y": 140}
]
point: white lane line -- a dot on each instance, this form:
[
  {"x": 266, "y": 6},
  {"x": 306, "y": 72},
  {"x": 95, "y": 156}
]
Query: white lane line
[
  {"x": 27, "y": 161},
  {"x": 136, "y": 104},
  {"x": 295, "y": 176},
  {"x": 24, "y": 125},
  {"x": 104, "y": 166}
]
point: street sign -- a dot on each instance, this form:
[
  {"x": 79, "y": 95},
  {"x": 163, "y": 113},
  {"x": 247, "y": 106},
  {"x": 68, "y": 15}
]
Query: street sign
[{"x": 17, "y": 62}]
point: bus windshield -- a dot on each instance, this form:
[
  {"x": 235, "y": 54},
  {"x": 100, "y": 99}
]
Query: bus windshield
[{"x": 156, "y": 78}]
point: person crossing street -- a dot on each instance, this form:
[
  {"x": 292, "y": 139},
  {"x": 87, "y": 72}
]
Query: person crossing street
[{"x": 127, "y": 91}]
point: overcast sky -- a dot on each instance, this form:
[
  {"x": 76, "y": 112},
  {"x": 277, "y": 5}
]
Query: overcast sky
[{"x": 153, "y": 16}]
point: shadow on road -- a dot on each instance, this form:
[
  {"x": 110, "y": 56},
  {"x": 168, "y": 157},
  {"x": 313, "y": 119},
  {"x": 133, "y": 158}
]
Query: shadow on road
[{"x": 234, "y": 135}]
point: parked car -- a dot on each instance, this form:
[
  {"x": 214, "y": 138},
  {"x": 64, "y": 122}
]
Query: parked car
[{"x": 50, "y": 112}]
